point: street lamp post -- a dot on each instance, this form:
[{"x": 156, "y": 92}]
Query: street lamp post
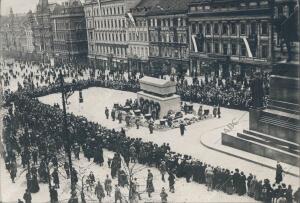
[{"x": 65, "y": 130}]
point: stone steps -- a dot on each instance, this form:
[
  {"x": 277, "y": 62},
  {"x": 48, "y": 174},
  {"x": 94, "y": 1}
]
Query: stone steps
[
  {"x": 284, "y": 106},
  {"x": 280, "y": 123},
  {"x": 260, "y": 149},
  {"x": 272, "y": 139}
]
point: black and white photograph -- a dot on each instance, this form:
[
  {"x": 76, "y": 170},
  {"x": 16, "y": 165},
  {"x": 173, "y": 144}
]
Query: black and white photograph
[{"x": 155, "y": 101}]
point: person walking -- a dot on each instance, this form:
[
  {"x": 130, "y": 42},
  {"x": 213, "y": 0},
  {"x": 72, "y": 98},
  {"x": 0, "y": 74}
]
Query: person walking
[
  {"x": 279, "y": 172},
  {"x": 149, "y": 187},
  {"x": 163, "y": 196},
  {"x": 27, "y": 196},
  {"x": 209, "y": 177},
  {"x": 99, "y": 191},
  {"x": 137, "y": 123},
  {"x": 53, "y": 195},
  {"x": 163, "y": 169},
  {"x": 182, "y": 128},
  {"x": 171, "y": 180},
  {"x": 219, "y": 112},
  {"x": 151, "y": 127},
  {"x": 13, "y": 171},
  {"x": 66, "y": 167},
  {"x": 113, "y": 114},
  {"x": 118, "y": 195},
  {"x": 106, "y": 113},
  {"x": 55, "y": 178},
  {"x": 107, "y": 185}
]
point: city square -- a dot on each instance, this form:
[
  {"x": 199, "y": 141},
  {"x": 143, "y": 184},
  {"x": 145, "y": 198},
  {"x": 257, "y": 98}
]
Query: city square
[{"x": 150, "y": 101}]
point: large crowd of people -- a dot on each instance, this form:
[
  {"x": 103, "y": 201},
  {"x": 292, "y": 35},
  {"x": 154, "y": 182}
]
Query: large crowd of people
[
  {"x": 43, "y": 139},
  {"x": 231, "y": 93}
]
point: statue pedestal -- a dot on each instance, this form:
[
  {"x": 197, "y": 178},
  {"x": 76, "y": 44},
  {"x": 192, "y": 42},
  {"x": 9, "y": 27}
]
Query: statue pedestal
[{"x": 166, "y": 103}]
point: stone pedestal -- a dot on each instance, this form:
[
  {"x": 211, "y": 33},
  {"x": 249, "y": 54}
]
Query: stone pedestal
[
  {"x": 166, "y": 103},
  {"x": 160, "y": 91}
]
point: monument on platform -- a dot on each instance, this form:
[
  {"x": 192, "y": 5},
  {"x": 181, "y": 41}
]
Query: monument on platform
[
  {"x": 274, "y": 132},
  {"x": 161, "y": 92}
]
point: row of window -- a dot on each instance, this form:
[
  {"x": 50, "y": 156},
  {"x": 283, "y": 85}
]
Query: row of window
[
  {"x": 105, "y": 49},
  {"x": 108, "y": 24},
  {"x": 138, "y": 36},
  {"x": 175, "y": 22},
  {"x": 170, "y": 52},
  {"x": 237, "y": 5},
  {"x": 232, "y": 49},
  {"x": 168, "y": 37},
  {"x": 110, "y": 36},
  {"x": 112, "y": 10},
  {"x": 230, "y": 28},
  {"x": 139, "y": 51}
]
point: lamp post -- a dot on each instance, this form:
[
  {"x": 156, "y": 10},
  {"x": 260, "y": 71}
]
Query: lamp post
[{"x": 65, "y": 130}]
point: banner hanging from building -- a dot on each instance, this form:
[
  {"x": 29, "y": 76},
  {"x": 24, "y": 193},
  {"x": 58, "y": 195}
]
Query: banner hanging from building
[
  {"x": 247, "y": 47},
  {"x": 194, "y": 43}
]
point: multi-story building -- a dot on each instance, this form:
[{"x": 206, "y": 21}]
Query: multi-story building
[
  {"x": 107, "y": 32},
  {"x": 138, "y": 37},
  {"x": 29, "y": 35},
  {"x": 168, "y": 32},
  {"x": 14, "y": 38},
  {"x": 42, "y": 30},
  {"x": 69, "y": 32},
  {"x": 224, "y": 31}
]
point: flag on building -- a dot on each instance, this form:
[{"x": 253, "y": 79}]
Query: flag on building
[
  {"x": 247, "y": 47},
  {"x": 194, "y": 43},
  {"x": 55, "y": 27},
  {"x": 36, "y": 19},
  {"x": 133, "y": 23}
]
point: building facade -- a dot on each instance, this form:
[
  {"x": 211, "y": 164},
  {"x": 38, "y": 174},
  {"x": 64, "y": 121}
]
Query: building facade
[
  {"x": 168, "y": 33},
  {"x": 16, "y": 39},
  {"x": 138, "y": 38},
  {"x": 221, "y": 30},
  {"x": 69, "y": 32},
  {"x": 107, "y": 32},
  {"x": 42, "y": 31}
]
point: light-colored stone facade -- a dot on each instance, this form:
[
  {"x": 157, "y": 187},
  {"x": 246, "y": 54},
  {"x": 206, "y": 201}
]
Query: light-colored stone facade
[{"x": 107, "y": 32}]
